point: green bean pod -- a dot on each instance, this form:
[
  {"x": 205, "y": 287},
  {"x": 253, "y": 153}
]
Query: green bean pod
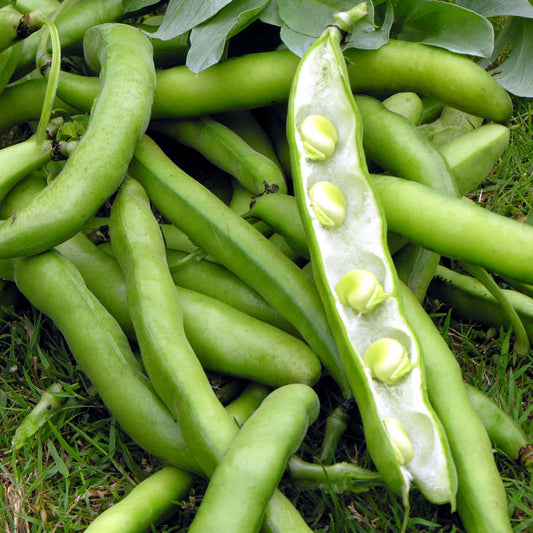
[
  {"x": 346, "y": 232},
  {"x": 118, "y": 119},
  {"x": 19, "y": 160},
  {"x": 224, "y": 338},
  {"x": 407, "y": 104},
  {"x": 72, "y": 24},
  {"x": 243, "y": 250},
  {"x": 53, "y": 285},
  {"x": 170, "y": 361},
  {"x": 47, "y": 7},
  {"x": 457, "y": 228},
  {"x": 505, "y": 434},
  {"x": 23, "y": 101},
  {"x": 481, "y": 497},
  {"x": 252, "y": 467},
  {"x": 263, "y": 78},
  {"x": 14, "y": 26},
  {"x": 471, "y": 300},
  {"x": 472, "y": 156},
  {"x": 277, "y": 210},
  {"x": 397, "y": 145},
  {"x": 227, "y": 150},
  {"x": 147, "y": 504},
  {"x": 214, "y": 280},
  {"x": 155, "y": 309}
]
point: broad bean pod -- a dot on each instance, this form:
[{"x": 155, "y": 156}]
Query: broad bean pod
[
  {"x": 71, "y": 23},
  {"x": 217, "y": 281},
  {"x": 170, "y": 361},
  {"x": 263, "y": 78},
  {"x": 227, "y": 150},
  {"x": 346, "y": 234},
  {"x": 505, "y": 434},
  {"x": 15, "y": 27},
  {"x": 251, "y": 468},
  {"x": 54, "y": 286},
  {"x": 231, "y": 240},
  {"x": 470, "y": 300},
  {"x": 118, "y": 119},
  {"x": 481, "y": 497},
  {"x": 224, "y": 338},
  {"x": 457, "y": 228}
]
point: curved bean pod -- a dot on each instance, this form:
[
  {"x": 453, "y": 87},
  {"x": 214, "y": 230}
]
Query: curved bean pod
[
  {"x": 252, "y": 467},
  {"x": 227, "y": 150},
  {"x": 346, "y": 233},
  {"x": 260, "y": 79},
  {"x": 505, "y": 434},
  {"x": 146, "y": 505},
  {"x": 169, "y": 359},
  {"x": 86, "y": 181},
  {"x": 481, "y": 497},
  {"x": 53, "y": 285},
  {"x": 231, "y": 240}
]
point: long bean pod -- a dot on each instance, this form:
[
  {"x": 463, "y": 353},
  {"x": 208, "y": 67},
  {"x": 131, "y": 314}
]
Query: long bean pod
[
  {"x": 356, "y": 279},
  {"x": 87, "y": 181},
  {"x": 260, "y": 79},
  {"x": 243, "y": 250}
]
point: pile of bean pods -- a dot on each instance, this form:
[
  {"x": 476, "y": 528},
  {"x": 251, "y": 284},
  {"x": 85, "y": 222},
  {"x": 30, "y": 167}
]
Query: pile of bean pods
[{"x": 300, "y": 267}]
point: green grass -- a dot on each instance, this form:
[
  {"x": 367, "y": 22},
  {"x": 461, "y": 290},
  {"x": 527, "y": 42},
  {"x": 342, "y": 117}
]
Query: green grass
[{"x": 80, "y": 462}]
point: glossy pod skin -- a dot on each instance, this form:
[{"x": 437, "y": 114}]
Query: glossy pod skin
[
  {"x": 255, "y": 461},
  {"x": 155, "y": 309},
  {"x": 170, "y": 361},
  {"x": 23, "y": 102},
  {"x": 263, "y": 78},
  {"x": 214, "y": 280},
  {"x": 394, "y": 142},
  {"x": 231, "y": 240},
  {"x": 481, "y": 497},
  {"x": 155, "y": 498},
  {"x": 505, "y": 434},
  {"x": 350, "y": 240},
  {"x": 500, "y": 244},
  {"x": 19, "y": 160},
  {"x": 224, "y": 338},
  {"x": 118, "y": 119},
  {"x": 227, "y": 150},
  {"x": 53, "y": 285},
  {"x": 147, "y": 504}
]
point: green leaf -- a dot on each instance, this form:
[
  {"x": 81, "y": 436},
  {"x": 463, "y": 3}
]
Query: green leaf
[
  {"x": 367, "y": 34},
  {"x": 304, "y": 20},
  {"x": 209, "y": 38},
  {"x": 310, "y": 17},
  {"x": 493, "y": 8},
  {"x": 136, "y": 5},
  {"x": 296, "y": 42},
  {"x": 449, "y": 26},
  {"x": 183, "y": 15},
  {"x": 515, "y": 74},
  {"x": 270, "y": 15}
]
